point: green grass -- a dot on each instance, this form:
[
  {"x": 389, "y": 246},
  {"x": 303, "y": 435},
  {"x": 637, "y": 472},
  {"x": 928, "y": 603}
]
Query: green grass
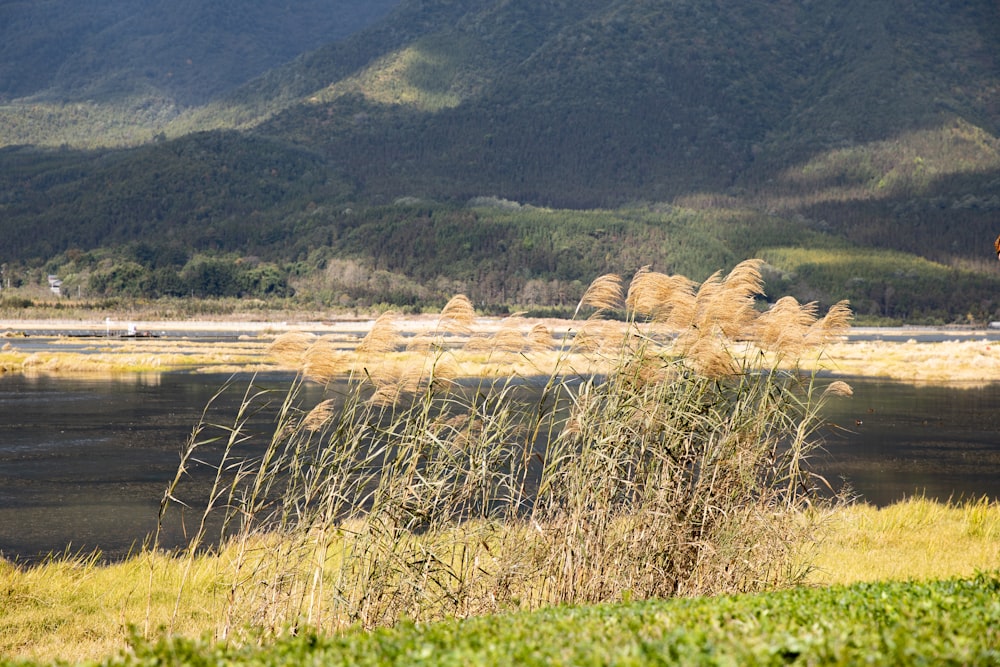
[{"x": 953, "y": 621}]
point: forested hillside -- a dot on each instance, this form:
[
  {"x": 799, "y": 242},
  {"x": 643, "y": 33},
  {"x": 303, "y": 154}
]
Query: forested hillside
[{"x": 853, "y": 145}]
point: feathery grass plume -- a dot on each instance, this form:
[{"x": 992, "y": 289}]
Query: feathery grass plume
[
  {"x": 383, "y": 336},
  {"x": 289, "y": 348},
  {"x": 784, "y": 327},
  {"x": 322, "y": 361},
  {"x": 668, "y": 300},
  {"x": 697, "y": 322},
  {"x": 382, "y": 375},
  {"x": 509, "y": 337},
  {"x": 437, "y": 373},
  {"x": 683, "y": 307},
  {"x": 386, "y": 395},
  {"x": 421, "y": 342},
  {"x": 479, "y": 342},
  {"x": 412, "y": 380},
  {"x": 539, "y": 338},
  {"x": 319, "y": 415},
  {"x": 646, "y": 368},
  {"x": 605, "y": 293},
  {"x": 838, "y": 388},
  {"x": 650, "y": 293},
  {"x": 707, "y": 293},
  {"x": 444, "y": 373},
  {"x": 831, "y": 326},
  {"x": 732, "y": 309},
  {"x": 599, "y": 336},
  {"x": 457, "y": 316},
  {"x": 708, "y": 356}
]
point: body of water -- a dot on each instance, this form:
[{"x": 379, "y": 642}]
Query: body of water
[{"x": 84, "y": 463}]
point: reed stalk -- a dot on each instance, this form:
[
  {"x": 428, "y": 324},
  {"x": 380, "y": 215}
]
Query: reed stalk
[{"x": 680, "y": 469}]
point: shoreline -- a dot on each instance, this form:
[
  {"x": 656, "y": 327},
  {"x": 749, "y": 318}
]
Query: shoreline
[{"x": 950, "y": 356}]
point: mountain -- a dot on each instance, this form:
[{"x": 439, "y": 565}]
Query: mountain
[
  {"x": 855, "y": 125},
  {"x": 183, "y": 51}
]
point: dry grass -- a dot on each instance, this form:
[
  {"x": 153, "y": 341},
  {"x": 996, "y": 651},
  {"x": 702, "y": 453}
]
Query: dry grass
[
  {"x": 676, "y": 471},
  {"x": 956, "y": 361},
  {"x": 114, "y": 356},
  {"x": 912, "y": 539},
  {"x": 668, "y": 302},
  {"x": 679, "y": 471},
  {"x": 75, "y": 609}
]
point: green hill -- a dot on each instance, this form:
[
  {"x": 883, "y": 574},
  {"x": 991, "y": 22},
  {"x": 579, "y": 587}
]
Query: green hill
[{"x": 870, "y": 129}]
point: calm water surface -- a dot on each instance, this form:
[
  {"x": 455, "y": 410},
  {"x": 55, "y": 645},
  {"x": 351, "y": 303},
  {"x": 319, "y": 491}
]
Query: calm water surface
[{"x": 83, "y": 463}]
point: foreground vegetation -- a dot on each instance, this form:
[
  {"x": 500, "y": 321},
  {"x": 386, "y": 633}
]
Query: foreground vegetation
[
  {"x": 848, "y": 611},
  {"x": 945, "y": 622},
  {"x": 672, "y": 462}
]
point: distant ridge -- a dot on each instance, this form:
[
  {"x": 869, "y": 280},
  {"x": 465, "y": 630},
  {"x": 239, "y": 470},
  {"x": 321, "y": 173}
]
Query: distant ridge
[{"x": 853, "y": 144}]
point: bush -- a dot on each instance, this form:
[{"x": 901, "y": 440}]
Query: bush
[{"x": 15, "y": 303}]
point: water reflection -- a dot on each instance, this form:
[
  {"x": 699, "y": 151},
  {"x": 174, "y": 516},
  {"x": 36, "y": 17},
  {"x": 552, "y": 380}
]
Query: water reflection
[
  {"x": 892, "y": 440},
  {"x": 84, "y": 462}
]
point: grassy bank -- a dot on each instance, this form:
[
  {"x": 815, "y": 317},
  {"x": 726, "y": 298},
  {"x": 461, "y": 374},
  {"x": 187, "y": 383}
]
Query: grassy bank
[
  {"x": 889, "y": 623},
  {"x": 82, "y": 610}
]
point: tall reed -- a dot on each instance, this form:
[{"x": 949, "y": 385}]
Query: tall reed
[{"x": 678, "y": 468}]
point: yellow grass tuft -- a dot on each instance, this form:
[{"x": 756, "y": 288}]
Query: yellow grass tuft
[
  {"x": 838, "y": 388},
  {"x": 732, "y": 310},
  {"x": 509, "y": 338},
  {"x": 785, "y": 328},
  {"x": 708, "y": 356},
  {"x": 322, "y": 361},
  {"x": 540, "y": 338},
  {"x": 386, "y": 395},
  {"x": 712, "y": 317},
  {"x": 290, "y": 347},
  {"x": 668, "y": 300},
  {"x": 913, "y": 539},
  {"x": 383, "y": 336},
  {"x": 458, "y": 315},
  {"x": 605, "y": 293},
  {"x": 319, "y": 415},
  {"x": 600, "y": 337},
  {"x": 831, "y": 326}
]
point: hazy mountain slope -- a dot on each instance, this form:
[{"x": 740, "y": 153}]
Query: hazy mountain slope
[{"x": 183, "y": 50}]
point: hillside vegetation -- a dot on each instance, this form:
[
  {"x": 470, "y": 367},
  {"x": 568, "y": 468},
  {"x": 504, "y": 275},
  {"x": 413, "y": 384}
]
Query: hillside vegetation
[{"x": 503, "y": 147}]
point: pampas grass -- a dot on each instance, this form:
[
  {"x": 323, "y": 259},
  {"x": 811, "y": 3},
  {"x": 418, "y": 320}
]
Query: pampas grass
[
  {"x": 457, "y": 316},
  {"x": 675, "y": 464},
  {"x": 382, "y": 337},
  {"x": 604, "y": 294}
]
